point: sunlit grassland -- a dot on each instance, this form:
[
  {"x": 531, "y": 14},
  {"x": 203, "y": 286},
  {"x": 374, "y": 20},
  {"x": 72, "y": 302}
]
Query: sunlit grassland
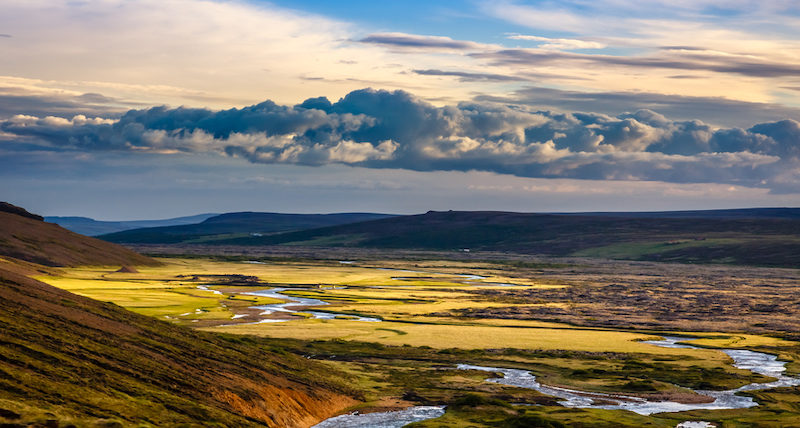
[
  {"x": 165, "y": 290},
  {"x": 398, "y": 300},
  {"x": 444, "y": 333},
  {"x": 414, "y": 315}
]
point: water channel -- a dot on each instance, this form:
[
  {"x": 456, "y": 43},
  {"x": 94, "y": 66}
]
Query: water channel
[{"x": 757, "y": 362}]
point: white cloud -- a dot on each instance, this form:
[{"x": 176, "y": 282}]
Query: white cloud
[{"x": 563, "y": 44}]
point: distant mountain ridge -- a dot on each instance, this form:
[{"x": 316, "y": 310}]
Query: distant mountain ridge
[
  {"x": 238, "y": 224},
  {"x": 770, "y": 240},
  {"x": 91, "y": 227}
]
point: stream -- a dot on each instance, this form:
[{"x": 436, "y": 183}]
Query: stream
[
  {"x": 276, "y": 293},
  {"x": 292, "y": 302},
  {"x": 394, "y": 419},
  {"x": 757, "y": 362}
]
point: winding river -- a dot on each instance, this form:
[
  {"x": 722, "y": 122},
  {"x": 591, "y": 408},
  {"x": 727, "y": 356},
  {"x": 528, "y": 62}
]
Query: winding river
[
  {"x": 394, "y": 419},
  {"x": 757, "y": 362},
  {"x": 292, "y": 304}
]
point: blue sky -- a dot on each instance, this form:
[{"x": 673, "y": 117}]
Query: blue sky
[{"x": 505, "y": 105}]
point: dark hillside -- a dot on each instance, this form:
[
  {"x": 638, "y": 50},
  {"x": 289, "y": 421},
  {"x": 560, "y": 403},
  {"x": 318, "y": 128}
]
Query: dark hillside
[
  {"x": 5, "y": 207},
  {"x": 245, "y": 224},
  {"x": 743, "y": 213},
  {"x": 760, "y": 241},
  {"x": 30, "y": 239}
]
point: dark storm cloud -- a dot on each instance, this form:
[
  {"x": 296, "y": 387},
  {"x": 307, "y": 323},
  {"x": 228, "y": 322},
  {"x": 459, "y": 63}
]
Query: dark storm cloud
[
  {"x": 381, "y": 129},
  {"x": 693, "y": 61},
  {"x": 412, "y": 41}
]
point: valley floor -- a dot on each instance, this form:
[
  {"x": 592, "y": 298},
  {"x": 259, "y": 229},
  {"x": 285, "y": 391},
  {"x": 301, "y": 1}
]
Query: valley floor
[{"x": 399, "y": 324}]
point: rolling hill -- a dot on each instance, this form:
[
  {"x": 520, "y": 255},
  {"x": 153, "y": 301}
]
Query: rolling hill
[
  {"x": 765, "y": 240},
  {"x": 91, "y": 227},
  {"x": 743, "y": 213},
  {"x": 240, "y": 224},
  {"x": 66, "y": 360},
  {"x": 27, "y": 237}
]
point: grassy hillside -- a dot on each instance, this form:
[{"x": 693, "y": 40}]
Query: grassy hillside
[
  {"x": 240, "y": 225},
  {"x": 70, "y": 360},
  {"x": 82, "y": 360},
  {"x": 758, "y": 241},
  {"x": 33, "y": 240}
]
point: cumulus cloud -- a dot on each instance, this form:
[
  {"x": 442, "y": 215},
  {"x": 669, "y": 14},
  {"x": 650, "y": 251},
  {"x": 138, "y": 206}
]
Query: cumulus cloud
[{"x": 382, "y": 129}]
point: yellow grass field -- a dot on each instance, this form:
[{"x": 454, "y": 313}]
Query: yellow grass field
[
  {"x": 414, "y": 309},
  {"x": 442, "y": 336}
]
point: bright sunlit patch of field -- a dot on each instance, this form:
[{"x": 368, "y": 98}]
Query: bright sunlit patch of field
[
  {"x": 416, "y": 312},
  {"x": 739, "y": 341},
  {"x": 156, "y": 302},
  {"x": 442, "y": 336},
  {"x": 74, "y": 284},
  {"x": 167, "y": 289},
  {"x": 388, "y": 301}
]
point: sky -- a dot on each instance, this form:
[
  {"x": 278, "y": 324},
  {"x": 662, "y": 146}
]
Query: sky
[{"x": 143, "y": 109}]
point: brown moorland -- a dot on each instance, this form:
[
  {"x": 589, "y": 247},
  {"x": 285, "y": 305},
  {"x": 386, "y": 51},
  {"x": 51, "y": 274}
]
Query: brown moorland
[{"x": 33, "y": 240}]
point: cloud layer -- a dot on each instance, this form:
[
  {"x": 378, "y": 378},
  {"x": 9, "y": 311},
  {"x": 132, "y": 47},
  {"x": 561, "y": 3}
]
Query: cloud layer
[{"x": 382, "y": 129}]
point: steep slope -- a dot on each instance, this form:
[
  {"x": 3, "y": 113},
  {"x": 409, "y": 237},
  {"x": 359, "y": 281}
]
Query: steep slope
[
  {"x": 83, "y": 360},
  {"x": 91, "y": 227},
  {"x": 13, "y": 209},
  {"x": 760, "y": 241},
  {"x": 244, "y": 224},
  {"x": 33, "y": 240}
]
